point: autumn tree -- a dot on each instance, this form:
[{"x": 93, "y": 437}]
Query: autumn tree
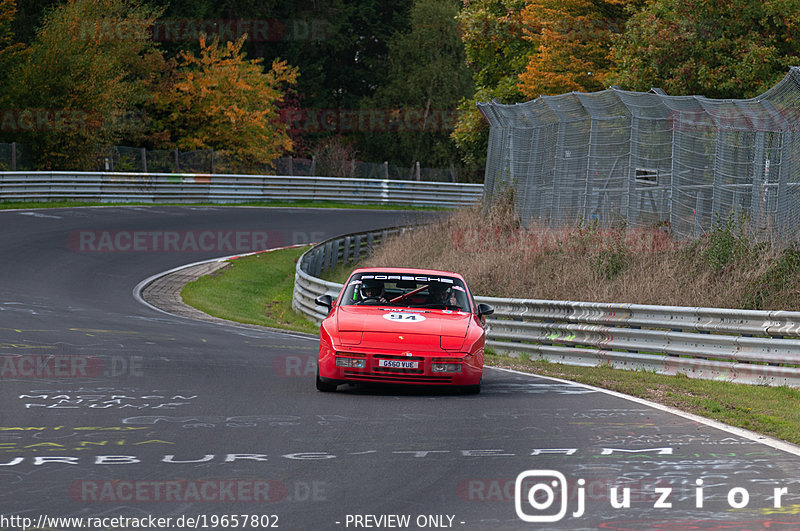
[
  {"x": 221, "y": 100},
  {"x": 732, "y": 49},
  {"x": 10, "y": 50},
  {"x": 497, "y": 51},
  {"x": 571, "y": 42},
  {"x": 29, "y": 16},
  {"x": 77, "y": 86}
]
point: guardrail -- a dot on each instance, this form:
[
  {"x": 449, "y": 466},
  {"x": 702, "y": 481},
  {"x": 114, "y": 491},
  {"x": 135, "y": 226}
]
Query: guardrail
[
  {"x": 755, "y": 347},
  {"x": 745, "y": 346},
  {"x": 222, "y": 188},
  {"x": 328, "y": 255}
]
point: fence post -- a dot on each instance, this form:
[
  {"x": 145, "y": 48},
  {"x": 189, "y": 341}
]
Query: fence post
[
  {"x": 13, "y": 156},
  {"x": 313, "y": 165},
  {"x": 783, "y": 195},
  {"x": 144, "y": 160},
  {"x": 758, "y": 192},
  {"x": 177, "y": 166},
  {"x": 416, "y": 171},
  {"x": 211, "y": 162},
  {"x": 386, "y": 169}
]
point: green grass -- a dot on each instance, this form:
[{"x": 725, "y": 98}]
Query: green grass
[
  {"x": 12, "y": 205},
  {"x": 258, "y": 290},
  {"x": 254, "y": 290},
  {"x": 767, "y": 410},
  {"x": 338, "y": 274}
]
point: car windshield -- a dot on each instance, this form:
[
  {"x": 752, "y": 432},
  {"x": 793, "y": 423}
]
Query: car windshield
[{"x": 406, "y": 291}]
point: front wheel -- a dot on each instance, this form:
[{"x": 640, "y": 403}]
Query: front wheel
[{"x": 325, "y": 387}]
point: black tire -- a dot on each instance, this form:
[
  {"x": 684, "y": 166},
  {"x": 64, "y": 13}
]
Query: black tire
[{"x": 325, "y": 387}]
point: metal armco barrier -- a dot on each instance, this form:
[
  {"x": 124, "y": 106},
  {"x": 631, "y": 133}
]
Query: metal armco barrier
[
  {"x": 221, "y": 188},
  {"x": 755, "y": 347},
  {"x": 327, "y": 255},
  {"x": 744, "y": 346}
]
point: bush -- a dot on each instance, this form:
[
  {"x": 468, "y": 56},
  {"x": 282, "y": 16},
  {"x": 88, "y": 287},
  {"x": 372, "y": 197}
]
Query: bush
[
  {"x": 500, "y": 257},
  {"x": 778, "y": 286},
  {"x": 728, "y": 242}
]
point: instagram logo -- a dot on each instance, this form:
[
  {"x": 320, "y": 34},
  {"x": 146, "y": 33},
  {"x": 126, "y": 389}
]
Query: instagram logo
[
  {"x": 539, "y": 490},
  {"x": 541, "y": 495}
]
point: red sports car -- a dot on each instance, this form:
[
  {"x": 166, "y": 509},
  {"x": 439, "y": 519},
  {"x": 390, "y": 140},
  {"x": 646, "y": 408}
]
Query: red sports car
[{"x": 407, "y": 326}]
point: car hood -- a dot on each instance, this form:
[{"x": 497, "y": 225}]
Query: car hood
[{"x": 381, "y": 320}]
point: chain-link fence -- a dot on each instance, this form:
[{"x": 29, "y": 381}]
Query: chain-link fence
[
  {"x": 643, "y": 159},
  {"x": 14, "y": 157}
]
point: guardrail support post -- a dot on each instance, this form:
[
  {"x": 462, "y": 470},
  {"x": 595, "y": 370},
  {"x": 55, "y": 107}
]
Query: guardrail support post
[
  {"x": 326, "y": 257},
  {"x": 334, "y": 255},
  {"x": 346, "y": 249}
]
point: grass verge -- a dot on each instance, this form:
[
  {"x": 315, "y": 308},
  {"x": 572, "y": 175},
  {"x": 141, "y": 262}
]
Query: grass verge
[
  {"x": 767, "y": 410},
  {"x": 256, "y": 290}
]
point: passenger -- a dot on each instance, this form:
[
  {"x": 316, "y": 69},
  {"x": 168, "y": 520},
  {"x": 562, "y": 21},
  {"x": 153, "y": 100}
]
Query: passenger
[{"x": 441, "y": 295}]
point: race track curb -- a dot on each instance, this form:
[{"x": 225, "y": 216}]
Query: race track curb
[{"x": 162, "y": 292}]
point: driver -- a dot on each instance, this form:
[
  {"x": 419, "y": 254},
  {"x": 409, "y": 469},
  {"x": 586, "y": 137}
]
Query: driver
[{"x": 372, "y": 290}]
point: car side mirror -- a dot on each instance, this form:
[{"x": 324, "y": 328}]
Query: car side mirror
[
  {"x": 325, "y": 300},
  {"x": 484, "y": 309}
]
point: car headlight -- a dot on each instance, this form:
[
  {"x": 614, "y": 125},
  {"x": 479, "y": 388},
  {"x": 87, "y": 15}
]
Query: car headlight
[
  {"x": 352, "y": 363},
  {"x": 445, "y": 367}
]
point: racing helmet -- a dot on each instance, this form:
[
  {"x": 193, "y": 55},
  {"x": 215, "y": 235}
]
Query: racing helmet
[{"x": 370, "y": 288}]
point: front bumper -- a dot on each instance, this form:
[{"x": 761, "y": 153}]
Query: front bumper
[{"x": 471, "y": 367}]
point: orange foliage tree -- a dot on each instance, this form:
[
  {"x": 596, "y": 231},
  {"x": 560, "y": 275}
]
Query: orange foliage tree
[
  {"x": 572, "y": 41},
  {"x": 495, "y": 49},
  {"x": 8, "y": 12},
  {"x": 223, "y": 101}
]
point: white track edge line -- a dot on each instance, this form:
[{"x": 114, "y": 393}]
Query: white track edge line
[{"x": 741, "y": 432}]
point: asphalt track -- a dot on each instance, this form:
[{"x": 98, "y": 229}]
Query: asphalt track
[{"x": 112, "y": 409}]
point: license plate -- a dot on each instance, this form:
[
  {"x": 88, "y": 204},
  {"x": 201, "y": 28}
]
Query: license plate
[{"x": 397, "y": 364}]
